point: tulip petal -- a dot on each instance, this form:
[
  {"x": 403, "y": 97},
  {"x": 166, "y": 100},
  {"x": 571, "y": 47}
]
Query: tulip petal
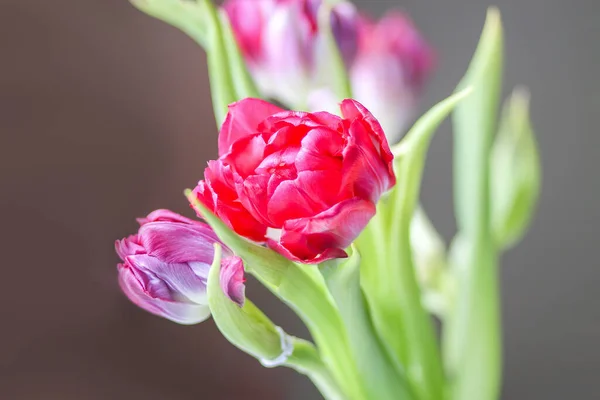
[
  {"x": 128, "y": 246},
  {"x": 247, "y": 18},
  {"x": 312, "y": 240},
  {"x": 245, "y": 154},
  {"x": 284, "y": 138},
  {"x": 253, "y": 196},
  {"x": 321, "y": 186},
  {"x": 287, "y": 45},
  {"x": 352, "y": 109},
  {"x": 290, "y": 201},
  {"x": 165, "y": 215},
  {"x": 242, "y": 120},
  {"x": 232, "y": 279},
  {"x": 364, "y": 169},
  {"x": 379, "y": 81},
  {"x": 183, "y": 313},
  {"x": 218, "y": 193},
  {"x": 178, "y": 243},
  {"x": 179, "y": 278},
  {"x": 328, "y": 254},
  {"x": 322, "y": 149}
]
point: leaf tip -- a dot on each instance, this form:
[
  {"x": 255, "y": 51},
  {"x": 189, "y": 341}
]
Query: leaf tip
[
  {"x": 521, "y": 96},
  {"x": 216, "y": 264},
  {"x": 493, "y": 16}
]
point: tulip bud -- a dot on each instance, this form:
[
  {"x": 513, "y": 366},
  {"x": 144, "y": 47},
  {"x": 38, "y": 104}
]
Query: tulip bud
[
  {"x": 515, "y": 172},
  {"x": 390, "y": 69},
  {"x": 166, "y": 264}
]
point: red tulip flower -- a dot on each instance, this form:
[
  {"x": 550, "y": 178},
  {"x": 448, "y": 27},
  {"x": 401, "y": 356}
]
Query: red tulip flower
[{"x": 304, "y": 183}]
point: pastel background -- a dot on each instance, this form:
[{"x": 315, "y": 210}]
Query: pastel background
[{"x": 105, "y": 115}]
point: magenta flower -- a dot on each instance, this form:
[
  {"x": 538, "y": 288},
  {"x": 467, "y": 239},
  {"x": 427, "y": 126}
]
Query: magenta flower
[
  {"x": 388, "y": 61},
  {"x": 282, "y": 46},
  {"x": 390, "y": 69},
  {"x": 165, "y": 267},
  {"x": 304, "y": 183}
]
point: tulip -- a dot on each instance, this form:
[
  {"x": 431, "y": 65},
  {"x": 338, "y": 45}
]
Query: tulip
[
  {"x": 388, "y": 62},
  {"x": 304, "y": 183},
  {"x": 165, "y": 267},
  {"x": 282, "y": 45},
  {"x": 390, "y": 69}
]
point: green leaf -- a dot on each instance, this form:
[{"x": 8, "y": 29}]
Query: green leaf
[
  {"x": 248, "y": 329},
  {"x": 221, "y": 83},
  {"x": 387, "y": 274},
  {"x": 303, "y": 289},
  {"x": 200, "y": 19},
  {"x": 474, "y": 123},
  {"x": 472, "y": 343},
  {"x": 184, "y": 15},
  {"x": 515, "y": 172},
  {"x": 382, "y": 380}
]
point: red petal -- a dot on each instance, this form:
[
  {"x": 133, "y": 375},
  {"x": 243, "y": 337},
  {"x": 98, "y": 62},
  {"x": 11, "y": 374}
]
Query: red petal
[
  {"x": 242, "y": 120},
  {"x": 352, "y": 109},
  {"x": 253, "y": 196},
  {"x": 218, "y": 194},
  {"x": 364, "y": 170},
  {"x": 321, "y": 150},
  {"x": 246, "y": 154},
  {"x": 289, "y": 201},
  {"x": 323, "y": 237}
]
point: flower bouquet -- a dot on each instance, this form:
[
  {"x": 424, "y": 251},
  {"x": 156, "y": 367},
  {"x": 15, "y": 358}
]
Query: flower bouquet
[{"x": 315, "y": 193}]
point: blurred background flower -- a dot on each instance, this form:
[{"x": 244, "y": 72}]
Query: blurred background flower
[{"x": 388, "y": 61}]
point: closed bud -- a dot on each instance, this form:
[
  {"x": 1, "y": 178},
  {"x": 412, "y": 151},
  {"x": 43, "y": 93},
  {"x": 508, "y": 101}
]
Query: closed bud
[
  {"x": 515, "y": 172},
  {"x": 166, "y": 265}
]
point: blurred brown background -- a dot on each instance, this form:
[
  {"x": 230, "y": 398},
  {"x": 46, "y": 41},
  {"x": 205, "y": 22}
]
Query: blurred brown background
[{"x": 105, "y": 115}]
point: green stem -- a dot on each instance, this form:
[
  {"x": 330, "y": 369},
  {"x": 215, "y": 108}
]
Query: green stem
[
  {"x": 304, "y": 290},
  {"x": 306, "y": 360},
  {"x": 472, "y": 341},
  {"x": 423, "y": 358},
  {"x": 242, "y": 81},
  {"x": 221, "y": 83},
  {"x": 388, "y": 277},
  {"x": 376, "y": 367}
]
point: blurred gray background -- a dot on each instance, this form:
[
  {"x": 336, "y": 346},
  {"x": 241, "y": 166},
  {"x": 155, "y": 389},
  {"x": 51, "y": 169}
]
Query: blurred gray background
[{"x": 105, "y": 115}]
